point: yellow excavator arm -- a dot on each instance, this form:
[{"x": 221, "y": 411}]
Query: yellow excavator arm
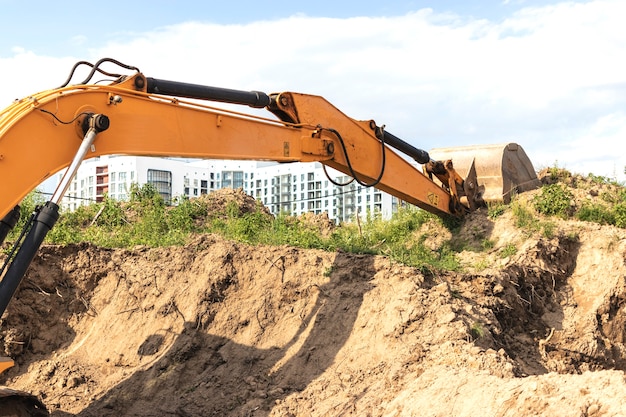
[{"x": 40, "y": 135}]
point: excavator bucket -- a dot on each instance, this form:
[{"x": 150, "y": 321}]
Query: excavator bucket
[{"x": 502, "y": 170}]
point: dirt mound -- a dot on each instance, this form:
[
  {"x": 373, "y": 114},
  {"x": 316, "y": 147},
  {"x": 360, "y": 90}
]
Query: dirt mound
[
  {"x": 225, "y": 201},
  {"x": 221, "y": 328}
]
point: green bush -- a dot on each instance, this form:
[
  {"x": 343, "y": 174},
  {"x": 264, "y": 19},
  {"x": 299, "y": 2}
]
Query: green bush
[
  {"x": 596, "y": 213},
  {"x": 619, "y": 213},
  {"x": 554, "y": 200}
]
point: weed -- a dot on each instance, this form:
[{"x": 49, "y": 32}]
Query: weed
[
  {"x": 554, "y": 200},
  {"x": 549, "y": 229},
  {"x": 508, "y": 250},
  {"x": 524, "y": 218},
  {"x": 597, "y": 213},
  {"x": 481, "y": 265},
  {"x": 477, "y": 331},
  {"x": 487, "y": 244},
  {"x": 495, "y": 210},
  {"x": 619, "y": 211},
  {"x": 599, "y": 179}
]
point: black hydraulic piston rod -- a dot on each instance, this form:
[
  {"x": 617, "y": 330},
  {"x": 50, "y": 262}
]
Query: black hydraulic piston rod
[
  {"x": 256, "y": 99},
  {"x": 420, "y": 155}
]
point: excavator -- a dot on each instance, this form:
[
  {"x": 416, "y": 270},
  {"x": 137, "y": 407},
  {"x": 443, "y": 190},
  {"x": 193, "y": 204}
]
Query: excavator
[{"x": 131, "y": 114}]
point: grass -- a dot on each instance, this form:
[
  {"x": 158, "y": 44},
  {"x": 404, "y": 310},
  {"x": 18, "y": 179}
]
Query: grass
[
  {"x": 605, "y": 201},
  {"x": 147, "y": 220},
  {"x": 508, "y": 250}
]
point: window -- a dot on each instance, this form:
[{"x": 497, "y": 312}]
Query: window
[
  {"x": 238, "y": 179},
  {"x": 162, "y": 182}
]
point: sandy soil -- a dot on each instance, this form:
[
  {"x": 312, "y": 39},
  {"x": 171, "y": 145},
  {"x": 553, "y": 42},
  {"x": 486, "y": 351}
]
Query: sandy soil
[{"x": 218, "y": 328}]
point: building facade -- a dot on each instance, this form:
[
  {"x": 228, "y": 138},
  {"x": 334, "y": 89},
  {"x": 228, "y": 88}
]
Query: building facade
[{"x": 293, "y": 188}]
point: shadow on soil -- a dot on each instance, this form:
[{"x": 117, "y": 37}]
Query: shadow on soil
[{"x": 204, "y": 375}]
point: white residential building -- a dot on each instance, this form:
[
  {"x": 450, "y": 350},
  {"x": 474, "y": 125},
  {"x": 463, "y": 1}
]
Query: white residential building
[{"x": 294, "y": 188}]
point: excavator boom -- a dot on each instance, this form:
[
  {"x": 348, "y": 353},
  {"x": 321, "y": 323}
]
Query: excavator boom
[{"x": 50, "y": 126}]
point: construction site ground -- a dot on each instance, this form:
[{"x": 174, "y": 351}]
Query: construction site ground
[{"x": 219, "y": 328}]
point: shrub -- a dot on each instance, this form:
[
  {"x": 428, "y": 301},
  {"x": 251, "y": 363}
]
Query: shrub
[
  {"x": 554, "y": 200},
  {"x": 596, "y": 213},
  {"x": 619, "y": 213}
]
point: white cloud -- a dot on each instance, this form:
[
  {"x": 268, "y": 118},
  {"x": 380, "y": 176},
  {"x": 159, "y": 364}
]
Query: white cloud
[
  {"x": 550, "y": 78},
  {"x": 25, "y": 73}
]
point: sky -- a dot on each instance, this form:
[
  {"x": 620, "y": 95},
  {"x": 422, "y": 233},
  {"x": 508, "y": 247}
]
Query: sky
[{"x": 549, "y": 75}]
